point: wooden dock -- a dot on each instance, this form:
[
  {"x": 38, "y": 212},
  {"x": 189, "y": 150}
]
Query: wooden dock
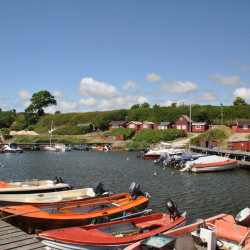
[{"x": 14, "y": 238}]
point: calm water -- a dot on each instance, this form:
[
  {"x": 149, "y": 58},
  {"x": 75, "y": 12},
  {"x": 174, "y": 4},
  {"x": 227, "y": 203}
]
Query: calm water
[{"x": 200, "y": 195}]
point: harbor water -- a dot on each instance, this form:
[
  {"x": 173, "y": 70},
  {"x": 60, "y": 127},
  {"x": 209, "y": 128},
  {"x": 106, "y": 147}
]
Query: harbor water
[{"x": 201, "y": 195}]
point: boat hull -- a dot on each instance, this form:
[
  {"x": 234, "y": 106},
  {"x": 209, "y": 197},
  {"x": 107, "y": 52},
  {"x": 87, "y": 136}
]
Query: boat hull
[
  {"x": 212, "y": 167},
  {"x": 69, "y": 214},
  {"x": 151, "y": 156}
]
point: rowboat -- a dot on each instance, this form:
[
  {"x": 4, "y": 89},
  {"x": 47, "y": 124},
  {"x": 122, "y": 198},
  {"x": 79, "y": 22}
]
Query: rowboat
[
  {"x": 50, "y": 197},
  {"x": 218, "y": 232},
  {"x": 110, "y": 235},
  {"x": 72, "y": 213},
  {"x": 210, "y": 164},
  {"x": 33, "y": 186}
]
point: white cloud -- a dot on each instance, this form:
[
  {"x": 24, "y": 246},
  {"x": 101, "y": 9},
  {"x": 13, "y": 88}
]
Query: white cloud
[
  {"x": 242, "y": 92},
  {"x": 208, "y": 95},
  {"x": 226, "y": 80},
  {"x": 63, "y": 107},
  {"x": 60, "y": 95},
  {"x": 152, "y": 77},
  {"x": 24, "y": 95},
  {"x": 90, "y": 102},
  {"x": 179, "y": 87},
  {"x": 90, "y": 87},
  {"x": 245, "y": 68},
  {"x": 130, "y": 85}
]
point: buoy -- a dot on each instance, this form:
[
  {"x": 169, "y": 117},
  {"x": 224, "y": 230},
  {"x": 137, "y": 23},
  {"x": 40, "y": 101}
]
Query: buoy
[
  {"x": 172, "y": 172},
  {"x": 155, "y": 173},
  {"x": 127, "y": 159},
  {"x": 164, "y": 168}
]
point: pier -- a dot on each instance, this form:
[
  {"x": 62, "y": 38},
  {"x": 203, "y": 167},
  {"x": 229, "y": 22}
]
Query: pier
[{"x": 14, "y": 238}]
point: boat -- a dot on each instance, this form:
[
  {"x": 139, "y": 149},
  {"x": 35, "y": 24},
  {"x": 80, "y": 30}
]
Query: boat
[
  {"x": 73, "y": 213},
  {"x": 101, "y": 148},
  {"x": 164, "y": 148},
  {"x": 220, "y": 232},
  {"x": 210, "y": 163},
  {"x": 53, "y": 197},
  {"x": 33, "y": 186},
  {"x": 110, "y": 235},
  {"x": 12, "y": 148}
]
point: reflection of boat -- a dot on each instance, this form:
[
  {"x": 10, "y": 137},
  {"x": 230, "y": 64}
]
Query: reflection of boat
[
  {"x": 73, "y": 213},
  {"x": 164, "y": 148},
  {"x": 86, "y": 148},
  {"x": 210, "y": 164},
  {"x": 51, "y": 197},
  {"x": 110, "y": 235},
  {"x": 12, "y": 148},
  {"x": 33, "y": 186},
  {"x": 218, "y": 232}
]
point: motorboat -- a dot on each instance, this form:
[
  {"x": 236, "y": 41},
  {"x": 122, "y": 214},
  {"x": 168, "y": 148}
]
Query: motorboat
[
  {"x": 12, "y": 148},
  {"x": 216, "y": 233},
  {"x": 210, "y": 163},
  {"x": 74, "y": 213},
  {"x": 33, "y": 186},
  {"x": 113, "y": 234},
  {"x": 53, "y": 197}
]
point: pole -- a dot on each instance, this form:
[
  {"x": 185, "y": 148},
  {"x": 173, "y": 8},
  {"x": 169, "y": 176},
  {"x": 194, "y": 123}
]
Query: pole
[
  {"x": 221, "y": 114},
  {"x": 190, "y": 127}
]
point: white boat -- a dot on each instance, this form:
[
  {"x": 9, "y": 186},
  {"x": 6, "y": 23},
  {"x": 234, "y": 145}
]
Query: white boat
[
  {"x": 210, "y": 164},
  {"x": 33, "y": 186},
  {"x": 12, "y": 148},
  {"x": 163, "y": 148},
  {"x": 50, "y": 197}
]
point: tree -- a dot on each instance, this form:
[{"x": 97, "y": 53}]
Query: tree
[
  {"x": 173, "y": 104},
  {"x": 39, "y": 101},
  {"x": 145, "y": 105},
  {"x": 239, "y": 101},
  {"x": 135, "y": 106}
]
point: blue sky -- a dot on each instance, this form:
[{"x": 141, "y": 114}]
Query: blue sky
[{"x": 110, "y": 54}]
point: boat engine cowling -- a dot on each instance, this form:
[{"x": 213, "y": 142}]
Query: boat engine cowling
[
  {"x": 172, "y": 208},
  {"x": 135, "y": 190},
  {"x": 98, "y": 188},
  {"x": 243, "y": 217},
  {"x": 58, "y": 179}
]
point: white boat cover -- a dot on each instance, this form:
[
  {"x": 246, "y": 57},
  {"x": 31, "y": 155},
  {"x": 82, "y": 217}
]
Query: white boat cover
[{"x": 210, "y": 159}]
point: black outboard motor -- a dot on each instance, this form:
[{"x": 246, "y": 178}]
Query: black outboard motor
[
  {"x": 172, "y": 208},
  {"x": 161, "y": 159},
  {"x": 135, "y": 191},
  {"x": 98, "y": 188},
  {"x": 58, "y": 179}
]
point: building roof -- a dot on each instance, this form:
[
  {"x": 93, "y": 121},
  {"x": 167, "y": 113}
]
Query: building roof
[
  {"x": 243, "y": 122},
  {"x": 199, "y": 123},
  {"x": 149, "y": 123},
  {"x": 164, "y": 123},
  {"x": 118, "y": 123},
  {"x": 137, "y": 123},
  {"x": 187, "y": 118},
  {"x": 83, "y": 124}
]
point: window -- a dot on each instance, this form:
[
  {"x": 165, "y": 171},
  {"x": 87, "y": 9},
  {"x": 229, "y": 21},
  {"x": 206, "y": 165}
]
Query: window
[
  {"x": 183, "y": 126},
  {"x": 181, "y": 118},
  {"x": 245, "y": 127},
  {"x": 198, "y": 126},
  {"x": 145, "y": 125},
  {"x": 115, "y": 126},
  {"x": 132, "y": 125},
  {"x": 178, "y": 126}
]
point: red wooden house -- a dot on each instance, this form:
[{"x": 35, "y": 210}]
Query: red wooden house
[
  {"x": 215, "y": 125},
  {"x": 239, "y": 145},
  {"x": 241, "y": 127},
  {"x": 199, "y": 127},
  {"x": 135, "y": 125},
  {"x": 117, "y": 124},
  {"x": 183, "y": 123},
  {"x": 164, "y": 125},
  {"x": 147, "y": 125}
]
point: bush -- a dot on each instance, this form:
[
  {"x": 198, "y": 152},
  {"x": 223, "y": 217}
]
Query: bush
[
  {"x": 155, "y": 136},
  {"x": 71, "y": 130},
  {"x": 137, "y": 144},
  {"x": 127, "y": 132}
]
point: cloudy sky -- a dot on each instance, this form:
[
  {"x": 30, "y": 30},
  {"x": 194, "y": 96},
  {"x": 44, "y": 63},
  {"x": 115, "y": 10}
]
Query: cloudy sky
[{"x": 109, "y": 54}]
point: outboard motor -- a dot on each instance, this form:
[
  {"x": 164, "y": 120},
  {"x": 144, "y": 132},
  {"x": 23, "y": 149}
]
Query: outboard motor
[
  {"x": 135, "y": 191},
  {"x": 243, "y": 217},
  {"x": 58, "y": 179},
  {"x": 161, "y": 159},
  {"x": 98, "y": 188},
  {"x": 172, "y": 208}
]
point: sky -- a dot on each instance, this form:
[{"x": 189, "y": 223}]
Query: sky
[{"x": 96, "y": 55}]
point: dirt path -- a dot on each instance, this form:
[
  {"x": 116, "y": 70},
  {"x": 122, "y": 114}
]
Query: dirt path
[{"x": 238, "y": 137}]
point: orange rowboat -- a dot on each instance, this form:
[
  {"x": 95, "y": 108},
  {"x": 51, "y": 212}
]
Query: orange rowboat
[{"x": 74, "y": 213}]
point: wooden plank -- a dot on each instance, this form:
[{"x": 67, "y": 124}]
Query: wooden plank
[
  {"x": 7, "y": 236},
  {"x": 22, "y": 244}
]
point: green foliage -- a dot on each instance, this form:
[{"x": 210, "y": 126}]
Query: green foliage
[
  {"x": 127, "y": 132},
  {"x": 155, "y": 136},
  {"x": 137, "y": 144},
  {"x": 5, "y": 131},
  {"x": 20, "y": 122},
  {"x": 145, "y": 105},
  {"x": 135, "y": 106},
  {"x": 239, "y": 101},
  {"x": 71, "y": 130},
  {"x": 7, "y": 118}
]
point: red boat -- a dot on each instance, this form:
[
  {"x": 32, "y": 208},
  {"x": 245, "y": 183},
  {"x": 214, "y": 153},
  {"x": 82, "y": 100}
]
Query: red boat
[
  {"x": 111, "y": 235},
  {"x": 218, "y": 232}
]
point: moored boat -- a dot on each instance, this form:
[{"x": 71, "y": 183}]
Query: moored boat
[
  {"x": 73, "y": 213},
  {"x": 33, "y": 186},
  {"x": 210, "y": 164},
  {"x": 111, "y": 235},
  {"x": 12, "y": 148},
  {"x": 218, "y": 232}
]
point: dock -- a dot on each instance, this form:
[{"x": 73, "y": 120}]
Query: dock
[{"x": 14, "y": 238}]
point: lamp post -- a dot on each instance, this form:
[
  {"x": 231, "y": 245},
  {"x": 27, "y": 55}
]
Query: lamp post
[{"x": 221, "y": 115}]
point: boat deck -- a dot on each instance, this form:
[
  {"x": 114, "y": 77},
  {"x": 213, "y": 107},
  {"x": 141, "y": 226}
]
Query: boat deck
[{"x": 13, "y": 238}]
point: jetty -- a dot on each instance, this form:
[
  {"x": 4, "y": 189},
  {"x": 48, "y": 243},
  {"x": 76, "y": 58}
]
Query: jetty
[{"x": 14, "y": 238}]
